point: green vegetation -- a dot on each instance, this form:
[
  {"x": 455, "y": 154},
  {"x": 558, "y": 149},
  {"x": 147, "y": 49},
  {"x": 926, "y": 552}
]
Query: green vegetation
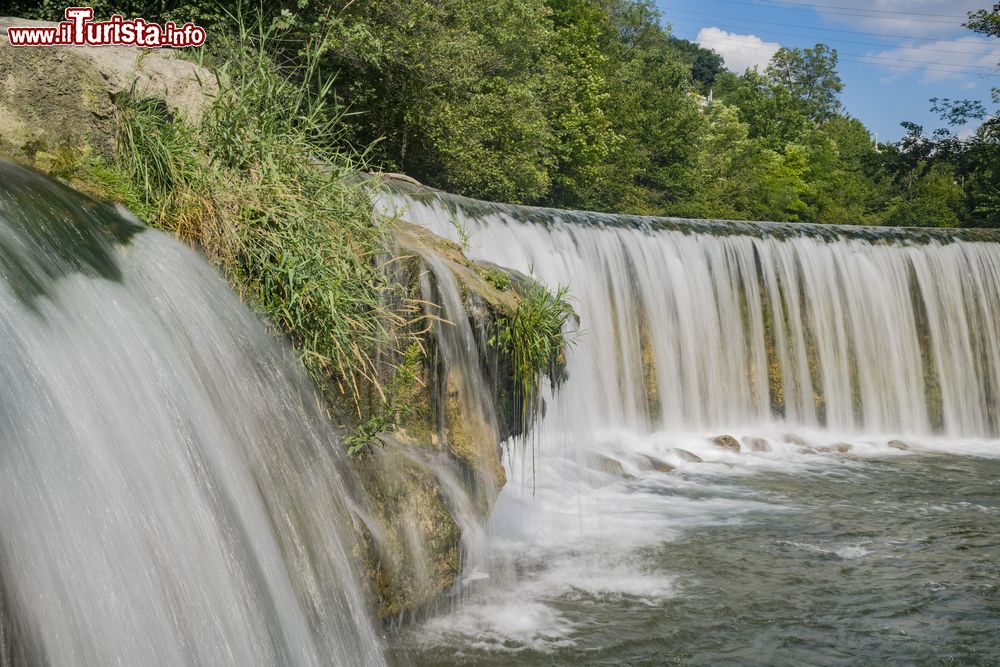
[
  {"x": 533, "y": 337},
  {"x": 594, "y": 104},
  {"x": 261, "y": 187}
]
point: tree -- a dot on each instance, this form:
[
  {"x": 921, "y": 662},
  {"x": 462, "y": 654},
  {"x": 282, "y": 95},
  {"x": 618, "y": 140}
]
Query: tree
[
  {"x": 985, "y": 22},
  {"x": 770, "y": 110},
  {"x": 705, "y": 64},
  {"x": 935, "y": 200},
  {"x": 810, "y": 75}
]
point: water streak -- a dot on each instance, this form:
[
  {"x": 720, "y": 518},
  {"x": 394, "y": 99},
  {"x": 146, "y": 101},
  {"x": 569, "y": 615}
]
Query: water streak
[
  {"x": 709, "y": 325},
  {"x": 170, "y": 491}
]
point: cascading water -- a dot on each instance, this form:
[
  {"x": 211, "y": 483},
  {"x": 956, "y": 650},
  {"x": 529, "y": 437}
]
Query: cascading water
[
  {"x": 746, "y": 323},
  {"x": 169, "y": 487},
  {"x": 818, "y": 348}
]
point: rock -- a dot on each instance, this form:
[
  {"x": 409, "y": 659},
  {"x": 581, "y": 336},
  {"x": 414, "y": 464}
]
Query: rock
[
  {"x": 726, "y": 442},
  {"x": 409, "y": 543},
  {"x": 688, "y": 456},
  {"x": 608, "y": 465},
  {"x": 655, "y": 464},
  {"x": 796, "y": 440},
  {"x": 62, "y": 97},
  {"x": 899, "y": 444},
  {"x": 841, "y": 448},
  {"x": 756, "y": 444},
  {"x": 444, "y": 459}
]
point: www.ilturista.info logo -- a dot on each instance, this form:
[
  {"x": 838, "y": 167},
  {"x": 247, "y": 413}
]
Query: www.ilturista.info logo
[{"x": 79, "y": 30}]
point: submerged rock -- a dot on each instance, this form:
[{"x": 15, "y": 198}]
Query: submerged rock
[
  {"x": 796, "y": 440},
  {"x": 656, "y": 464},
  {"x": 840, "y": 448},
  {"x": 608, "y": 465},
  {"x": 726, "y": 442},
  {"x": 688, "y": 456},
  {"x": 899, "y": 444},
  {"x": 756, "y": 444}
]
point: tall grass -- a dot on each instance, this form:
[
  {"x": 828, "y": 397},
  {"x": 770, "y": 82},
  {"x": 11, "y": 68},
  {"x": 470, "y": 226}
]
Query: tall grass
[
  {"x": 263, "y": 187},
  {"x": 533, "y": 337}
]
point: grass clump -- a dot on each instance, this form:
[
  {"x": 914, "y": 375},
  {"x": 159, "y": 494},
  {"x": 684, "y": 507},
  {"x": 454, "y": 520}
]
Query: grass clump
[
  {"x": 262, "y": 187},
  {"x": 533, "y": 337}
]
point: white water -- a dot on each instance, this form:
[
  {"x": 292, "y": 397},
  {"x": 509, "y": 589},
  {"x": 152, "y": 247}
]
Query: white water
[
  {"x": 879, "y": 336},
  {"x": 169, "y": 489}
]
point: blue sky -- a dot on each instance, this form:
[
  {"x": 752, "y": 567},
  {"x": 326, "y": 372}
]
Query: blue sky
[{"x": 894, "y": 54}]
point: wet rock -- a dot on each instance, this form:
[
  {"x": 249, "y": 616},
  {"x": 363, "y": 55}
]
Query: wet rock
[
  {"x": 409, "y": 543},
  {"x": 756, "y": 444},
  {"x": 840, "y": 448},
  {"x": 726, "y": 442},
  {"x": 608, "y": 465},
  {"x": 656, "y": 464},
  {"x": 796, "y": 440},
  {"x": 899, "y": 444},
  {"x": 688, "y": 456}
]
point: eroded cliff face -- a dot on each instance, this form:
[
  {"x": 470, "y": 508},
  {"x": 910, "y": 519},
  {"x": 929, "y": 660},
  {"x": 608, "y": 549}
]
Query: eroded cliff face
[{"x": 430, "y": 484}]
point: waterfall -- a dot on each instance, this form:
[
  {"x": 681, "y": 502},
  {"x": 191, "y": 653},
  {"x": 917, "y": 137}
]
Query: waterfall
[
  {"x": 707, "y": 325},
  {"x": 170, "y": 490},
  {"x": 734, "y": 468},
  {"x": 800, "y": 348}
]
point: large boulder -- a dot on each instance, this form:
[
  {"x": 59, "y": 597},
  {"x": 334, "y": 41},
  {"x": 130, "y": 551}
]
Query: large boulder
[{"x": 63, "y": 97}]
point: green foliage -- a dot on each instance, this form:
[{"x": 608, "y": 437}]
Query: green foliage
[
  {"x": 573, "y": 103},
  {"x": 810, "y": 75},
  {"x": 297, "y": 239},
  {"x": 985, "y": 22},
  {"x": 533, "y": 336},
  {"x": 934, "y": 200},
  {"x": 393, "y": 409},
  {"x": 706, "y": 65},
  {"x": 499, "y": 279}
]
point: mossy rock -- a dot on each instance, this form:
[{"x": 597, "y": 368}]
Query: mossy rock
[
  {"x": 409, "y": 542},
  {"x": 63, "y": 97}
]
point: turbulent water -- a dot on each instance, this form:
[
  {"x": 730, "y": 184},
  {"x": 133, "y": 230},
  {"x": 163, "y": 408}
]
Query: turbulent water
[
  {"x": 169, "y": 489},
  {"x": 859, "y": 370}
]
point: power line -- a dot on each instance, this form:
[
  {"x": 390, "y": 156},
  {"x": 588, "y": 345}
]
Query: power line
[
  {"x": 834, "y": 9},
  {"x": 841, "y": 40},
  {"x": 901, "y": 63},
  {"x": 805, "y": 27}
]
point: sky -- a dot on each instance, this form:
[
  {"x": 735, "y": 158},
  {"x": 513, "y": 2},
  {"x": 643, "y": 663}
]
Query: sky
[{"x": 894, "y": 55}]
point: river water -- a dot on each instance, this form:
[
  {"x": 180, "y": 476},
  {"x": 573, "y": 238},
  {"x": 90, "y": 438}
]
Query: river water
[{"x": 819, "y": 559}]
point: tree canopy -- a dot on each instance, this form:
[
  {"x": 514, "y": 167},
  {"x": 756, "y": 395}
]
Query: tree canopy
[{"x": 595, "y": 104}]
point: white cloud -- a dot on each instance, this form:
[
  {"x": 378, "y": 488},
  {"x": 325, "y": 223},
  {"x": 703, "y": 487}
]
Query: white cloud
[
  {"x": 741, "y": 52},
  {"x": 910, "y": 18},
  {"x": 962, "y": 58}
]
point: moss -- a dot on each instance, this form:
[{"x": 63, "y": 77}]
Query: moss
[
  {"x": 650, "y": 381},
  {"x": 409, "y": 545},
  {"x": 52, "y": 100}
]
